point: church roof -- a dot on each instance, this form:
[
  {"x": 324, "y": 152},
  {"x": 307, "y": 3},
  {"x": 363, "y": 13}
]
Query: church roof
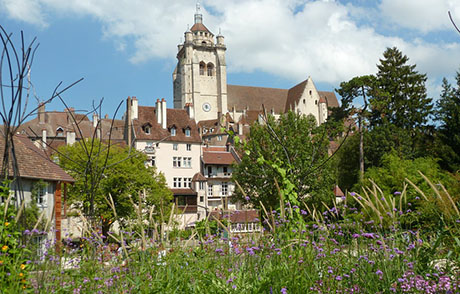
[
  {"x": 294, "y": 94},
  {"x": 330, "y": 98},
  {"x": 199, "y": 27},
  {"x": 252, "y": 98}
]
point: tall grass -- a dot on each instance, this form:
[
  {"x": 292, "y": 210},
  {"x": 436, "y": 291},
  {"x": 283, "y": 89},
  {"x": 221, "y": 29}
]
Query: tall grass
[{"x": 346, "y": 248}]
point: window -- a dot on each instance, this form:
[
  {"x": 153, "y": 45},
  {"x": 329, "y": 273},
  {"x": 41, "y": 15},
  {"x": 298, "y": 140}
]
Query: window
[
  {"x": 304, "y": 101},
  {"x": 41, "y": 195},
  {"x": 173, "y": 131},
  {"x": 177, "y": 182},
  {"x": 310, "y": 92},
  {"x": 210, "y": 69},
  {"x": 187, "y": 132},
  {"x": 181, "y": 201},
  {"x": 152, "y": 160},
  {"x": 201, "y": 185},
  {"x": 60, "y": 132},
  {"x": 175, "y": 147},
  {"x": 209, "y": 171},
  {"x": 219, "y": 138},
  {"x": 189, "y": 147},
  {"x": 187, "y": 182},
  {"x": 201, "y": 199},
  {"x": 210, "y": 190},
  {"x": 316, "y": 102},
  {"x": 225, "y": 170},
  {"x": 224, "y": 189},
  {"x": 202, "y": 68},
  {"x": 177, "y": 161},
  {"x": 187, "y": 162}
]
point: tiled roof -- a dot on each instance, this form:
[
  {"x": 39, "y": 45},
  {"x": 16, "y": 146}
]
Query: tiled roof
[
  {"x": 338, "y": 192},
  {"x": 198, "y": 177},
  {"x": 330, "y": 98},
  {"x": 34, "y": 163},
  {"x": 175, "y": 117},
  {"x": 199, "y": 27},
  {"x": 243, "y": 97},
  {"x": 294, "y": 95},
  {"x": 250, "y": 117},
  {"x": 187, "y": 191},
  {"x": 213, "y": 157},
  {"x": 244, "y": 216},
  {"x": 237, "y": 216}
]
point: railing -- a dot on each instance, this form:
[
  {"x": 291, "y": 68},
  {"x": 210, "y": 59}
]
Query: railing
[{"x": 188, "y": 208}]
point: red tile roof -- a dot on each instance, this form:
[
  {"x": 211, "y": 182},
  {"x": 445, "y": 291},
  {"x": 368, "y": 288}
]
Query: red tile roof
[
  {"x": 174, "y": 117},
  {"x": 237, "y": 216},
  {"x": 199, "y": 27},
  {"x": 34, "y": 163},
  {"x": 252, "y": 98},
  {"x": 186, "y": 191},
  {"x": 215, "y": 157},
  {"x": 338, "y": 192}
]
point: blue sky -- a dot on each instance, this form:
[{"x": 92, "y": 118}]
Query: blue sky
[{"x": 127, "y": 48}]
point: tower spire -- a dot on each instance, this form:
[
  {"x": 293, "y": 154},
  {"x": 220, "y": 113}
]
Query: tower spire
[{"x": 198, "y": 15}]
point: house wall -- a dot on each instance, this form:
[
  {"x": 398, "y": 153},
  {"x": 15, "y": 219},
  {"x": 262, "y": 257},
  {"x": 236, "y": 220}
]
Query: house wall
[
  {"x": 164, "y": 154},
  {"x": 309, "y": 101}
]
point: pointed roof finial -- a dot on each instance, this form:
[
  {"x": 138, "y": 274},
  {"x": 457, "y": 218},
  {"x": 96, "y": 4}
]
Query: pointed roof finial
[{"x": 198, "y": 15}]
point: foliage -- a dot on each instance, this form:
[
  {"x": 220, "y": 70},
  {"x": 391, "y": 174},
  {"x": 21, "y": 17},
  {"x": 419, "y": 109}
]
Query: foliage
[
  {"x": 122, "y": 174},
  {"x": 13, "y": 268},
  {"x": 291, "y": 151},
  {"x": 448, "y": 115}
]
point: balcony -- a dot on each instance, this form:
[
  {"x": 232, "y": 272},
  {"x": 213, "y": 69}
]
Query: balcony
[
  {"x": 188, "y": 208},
  {"x": 149, "y": 149}
]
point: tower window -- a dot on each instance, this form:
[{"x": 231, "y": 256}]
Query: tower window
[
  {"x": 202, "y": 68},
  {"x": 304, "y": 101},
  {"x": 310, "y": 92},
  {"x": 210, "y": 69},
  {"x": 173, "y": 131}
]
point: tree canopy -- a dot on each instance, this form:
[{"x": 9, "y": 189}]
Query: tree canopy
[
  {"x": 101, "y": 170},
  {"x": 291, "y": 151}
]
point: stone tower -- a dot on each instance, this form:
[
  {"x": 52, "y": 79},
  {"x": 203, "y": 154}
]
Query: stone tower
[{"x": 200, "y": 77}]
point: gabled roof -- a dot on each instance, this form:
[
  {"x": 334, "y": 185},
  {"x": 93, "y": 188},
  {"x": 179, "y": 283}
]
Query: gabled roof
[
  {"x": 338, "y": 192},
  {"x": 34, "y": 163},
  {"x": 252, "y": 98},
  {"x": 198, "y": 177},
  {"x": 218, "y": 157},
  {"x": 237, "y": 216},
  {"x": 294, "y": 95},
  {"x": 174, "y": 117},
  {"x": 330, "y": 97}
]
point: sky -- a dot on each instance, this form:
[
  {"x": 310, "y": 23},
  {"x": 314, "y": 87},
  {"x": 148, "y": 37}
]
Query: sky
[{"x": 127, "y": 48}]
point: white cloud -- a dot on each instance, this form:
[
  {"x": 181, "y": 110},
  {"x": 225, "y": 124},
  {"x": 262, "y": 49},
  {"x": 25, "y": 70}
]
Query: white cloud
[
  {"x": 327, "y": 40},
  {"x": 28, "y": 11},
  {"x": 421, "y": 15}
]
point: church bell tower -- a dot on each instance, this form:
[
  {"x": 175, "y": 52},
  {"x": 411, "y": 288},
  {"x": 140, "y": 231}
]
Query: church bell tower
[{"x": 200, "y": 77}]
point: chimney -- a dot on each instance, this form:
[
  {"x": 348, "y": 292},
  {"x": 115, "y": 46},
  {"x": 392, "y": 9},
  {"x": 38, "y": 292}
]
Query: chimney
[
  {"x": 41, "y": 113},
  {"x": 70, "y": 115},
  {"x": 163, "y": 113},
  {"x": 158, "y": 110},
  {"x": 44, "y": 139},
  {"x": 135, "y": 108},
  {"x": 234, "y": 113},
  {"x": 228, "y": 147},
  {"x": 106, "y": 116},
  {"x": 70, "y": 138},
  {"x": 95, "y": 119},
  {"x": 240, "y": 129},
  {"x": 190, "y": 111}
]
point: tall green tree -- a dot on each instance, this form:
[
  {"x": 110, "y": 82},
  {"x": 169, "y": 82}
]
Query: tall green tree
[
  {"x": 402, "y": 99},
  {"x": 291, "y": 151},
  {"x": 120, "y": 172},
  {"x": 448, "y": 116}
]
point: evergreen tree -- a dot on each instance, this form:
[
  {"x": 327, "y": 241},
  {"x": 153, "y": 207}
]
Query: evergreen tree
[
  {"x": 401, "y": 101},
  {"x": 448, "y": 115}
]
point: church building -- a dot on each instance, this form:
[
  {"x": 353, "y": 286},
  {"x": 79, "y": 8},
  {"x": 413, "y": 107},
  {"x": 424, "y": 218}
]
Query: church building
[{"x": 200, "y": 84}]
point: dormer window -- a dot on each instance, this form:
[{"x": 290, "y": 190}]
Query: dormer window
[
  {"x": 187, "y": 132},
  {"x": 173, "y": 131},
  {"x": 147, "y": 128},
  {"x": 59, "y": 132}
]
